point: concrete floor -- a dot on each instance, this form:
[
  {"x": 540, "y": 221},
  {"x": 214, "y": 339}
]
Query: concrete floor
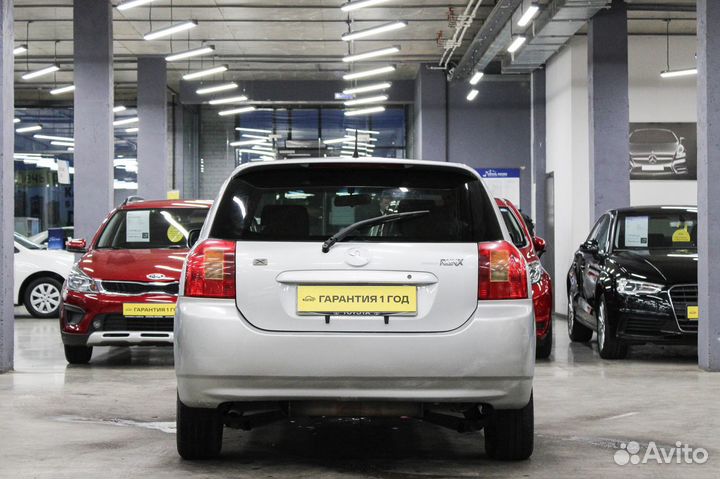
[{"x": 115, "y": 418}]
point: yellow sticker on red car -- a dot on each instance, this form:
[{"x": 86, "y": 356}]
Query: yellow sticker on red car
[
  {"x": 148, "y": 310},
  {"x": 357, "y": 299},
  {"x": 693, "y": 312}
]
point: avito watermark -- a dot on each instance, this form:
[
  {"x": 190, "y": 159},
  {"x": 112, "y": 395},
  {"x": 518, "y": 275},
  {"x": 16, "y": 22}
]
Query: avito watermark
[{"x": 631, "y": 453}]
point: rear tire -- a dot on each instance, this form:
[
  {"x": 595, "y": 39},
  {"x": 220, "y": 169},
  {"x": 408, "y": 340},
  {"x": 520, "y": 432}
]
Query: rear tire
[
  {"x": 543, "y": 348},
  {"x": 199, "y": 432},
  {"x": 78, "y": 354},
  {"x": 509, "y": 433},
  {"x": 609, "y": 347},
  {"x": 577, "y": 332},
  {"x": 42, "y": 297}
]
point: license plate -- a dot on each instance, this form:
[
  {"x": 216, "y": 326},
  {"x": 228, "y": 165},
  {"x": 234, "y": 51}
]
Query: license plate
[
  {"x": 357, "y": 299},
  {"x": 693, "y": 312},
  {"x": 148, "y": 310},
  {"x": 653, "y": 168}
]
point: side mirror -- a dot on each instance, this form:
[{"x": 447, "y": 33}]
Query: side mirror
[
  {"x": 193, "y": 237},
  {"x": 76, "y": 246},
  {"x": 590, "y": 247},
  {"x": 540, "y": 245}
]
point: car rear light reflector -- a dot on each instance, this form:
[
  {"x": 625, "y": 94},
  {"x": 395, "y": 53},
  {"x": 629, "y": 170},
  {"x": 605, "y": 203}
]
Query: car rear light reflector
[
  {"x": 502, "y": 272},
  {"x": 210, "y": 271}
]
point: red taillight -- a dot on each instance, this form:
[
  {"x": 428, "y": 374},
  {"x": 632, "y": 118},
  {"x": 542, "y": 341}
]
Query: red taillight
[
  {"x": 210, "y": 271},
  {"x": 502, "y": 273}
]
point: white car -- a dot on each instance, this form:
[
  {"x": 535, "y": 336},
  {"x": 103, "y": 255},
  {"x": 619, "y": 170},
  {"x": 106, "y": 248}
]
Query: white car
[
  {"x": 39, "y": 276},
  {"x": 347, "y": 287}
]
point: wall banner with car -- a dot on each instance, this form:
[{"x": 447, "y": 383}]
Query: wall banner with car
[{"x": 663, "y": 151}]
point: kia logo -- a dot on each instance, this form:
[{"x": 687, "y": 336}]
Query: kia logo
[{"x": 157, "y": 276}]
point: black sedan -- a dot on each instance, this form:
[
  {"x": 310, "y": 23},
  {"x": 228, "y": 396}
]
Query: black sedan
[{"x": 634, "y": 280}]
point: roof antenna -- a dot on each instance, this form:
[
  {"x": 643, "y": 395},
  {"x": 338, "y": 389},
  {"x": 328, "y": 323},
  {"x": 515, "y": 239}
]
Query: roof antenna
[{"x": 355, "y": 154}]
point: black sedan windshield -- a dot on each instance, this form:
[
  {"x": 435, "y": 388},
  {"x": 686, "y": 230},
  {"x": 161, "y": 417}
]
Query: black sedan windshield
[{"x": 671, "y": 228}]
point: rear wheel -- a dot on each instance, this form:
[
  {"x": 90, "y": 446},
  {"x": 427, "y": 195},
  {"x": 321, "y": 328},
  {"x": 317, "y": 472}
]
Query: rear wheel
[
  {"x": 577, "y": 332},
  {"x": 78, "y": 354},
  {"x": 510, "y": 433},
  {"x": 609, "y": 346},
  {"x": 543, "y": 347},
  {"x": 42, "y": 297},
  {"x": 199, "y": 432}
]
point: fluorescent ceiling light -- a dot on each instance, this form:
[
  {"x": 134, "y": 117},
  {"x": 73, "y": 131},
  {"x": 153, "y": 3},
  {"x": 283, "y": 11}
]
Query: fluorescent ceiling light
[
  {"x": 257, "y": 137},
  {"x": 196, "y": 52},
  {"x": 119, "y": 108},
  {"x": 473, "y": 93},
  {"x": 62, "y": 143},
  {"x": 216, "y": 88},
  {"x": 26, "y": 129},
  {"x": 126, "y": 121},
  {"x": 335, "y": 141},
  {"x": 678, "y": 73},
  {"x": 62, "y": 89},
  {"x": 263, "y": 148},
  {"x": 516, "y": 44},
  {"x": 71, "y": 148},
  {"x": 255, "y": 152},
  {"x": 237, "y": 111},
  {"x": 247, "y": 142},
  {"x": 365, "y": 111},
  {"x": 367, "y": 132},
  {"x": 388, "y": 27},
  {"x": 232, "y": 99},
  {"x": 171, "y": 30},
  {"x": 41, "y": 72},
  {"x": 528, "y": 15},
  {"x": 369, "y": 73},
  {"x": 365, "y": 101},
  {"x": 358, "y": 4},
  {"x": 204, "y": 73},
  {"x": 476, "y": 78},
  {"x": 254, "y": 130},
  {"x": 16, "y": 120},
  {"x": 56, "y": 138},
  {"x": 133, "y": 3},
  {"x": 19, "y": 49},
  {"x": 133, "y": 129},
  {"x": 367, "y": 88},
  {"x": 371, "y": 54}
]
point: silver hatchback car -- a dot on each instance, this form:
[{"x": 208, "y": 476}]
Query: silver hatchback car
[{"x": 348, "y": 287}]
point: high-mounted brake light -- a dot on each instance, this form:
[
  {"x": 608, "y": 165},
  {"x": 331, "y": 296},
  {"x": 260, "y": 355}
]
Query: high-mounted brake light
[
  {"x": 502, "y": 273},
  {"x": 210, "y": 271}
]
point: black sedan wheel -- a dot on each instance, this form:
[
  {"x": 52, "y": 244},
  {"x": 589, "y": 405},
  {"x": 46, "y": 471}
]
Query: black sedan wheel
[
  {"x": 609, "y": 346},
  {"x": 577, "y": 332}
]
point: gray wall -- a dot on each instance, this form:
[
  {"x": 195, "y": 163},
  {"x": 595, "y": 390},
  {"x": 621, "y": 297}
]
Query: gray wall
[
  {"x": 215, "y": 154},
  {"x": 494, "y": 130}
]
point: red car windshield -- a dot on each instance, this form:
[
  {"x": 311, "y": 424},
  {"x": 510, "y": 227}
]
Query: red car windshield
[{"x": 151, "y": 228}]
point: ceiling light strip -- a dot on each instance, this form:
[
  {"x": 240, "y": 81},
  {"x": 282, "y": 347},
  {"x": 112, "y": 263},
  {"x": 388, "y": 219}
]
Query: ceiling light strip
[
  {"x": 62, "y": 89},
  {"x": 232, "y": 99},
  {"x": 43, "y": 71},
  {"x": 196, "y": 52},
  {"x": 216, "y": 88},
  {"x": 367, "y": 88},
  {"x": 204, "y": 73},
  {"x": 369, "y": 73},
  {"x": 237, "y": 111},
  {"x": 365, "y": 111},
  {"x": 387, "y": 27},
  {"x": 371, "y": 54},
  {"x": 367, "y": 100},
  {"x": 358, "y": 4},
  {"x": 171, "y": 30}
]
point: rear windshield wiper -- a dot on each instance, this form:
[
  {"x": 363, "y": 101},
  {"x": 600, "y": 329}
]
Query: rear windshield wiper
[{"x": 345, "y": 232}]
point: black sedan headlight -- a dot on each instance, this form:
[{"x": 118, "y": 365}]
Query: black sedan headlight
[
  {"x": 635, "y": 287},
  {"x": 79, "y": 282},
  {"x": 535, "y": 270}
]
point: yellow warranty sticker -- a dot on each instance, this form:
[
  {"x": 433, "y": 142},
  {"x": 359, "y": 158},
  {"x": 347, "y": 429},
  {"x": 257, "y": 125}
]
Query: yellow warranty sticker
[
  {"x": 148, "y": 310},
  {"x": 357, "y": 299},
  {"x": 681, "y": 236},
  {"x": 174, "y": 234},
  {"x": 693, "y": 312}
]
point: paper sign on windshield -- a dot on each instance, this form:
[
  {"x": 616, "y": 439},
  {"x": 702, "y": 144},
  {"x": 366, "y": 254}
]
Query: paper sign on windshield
[
  {"x": 137, "y": 226},
  {"x": 636, "y": 231}
]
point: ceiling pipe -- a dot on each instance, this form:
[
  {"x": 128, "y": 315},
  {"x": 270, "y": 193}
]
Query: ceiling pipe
[{"x": 465, "y": 20}]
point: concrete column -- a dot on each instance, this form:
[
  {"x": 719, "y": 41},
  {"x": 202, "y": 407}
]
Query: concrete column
[
  {"x": 7, "y": 186},
  {"x": 178, "y": 158},
  {"x": 538, "y": 133},
  {"x": 609, "y": 110},
  {"x": 94, "y": 135},
  {"x": 152, "y": 149},
  {"x": 431, "y": 115},
  {"x": 708, "y": 31}
]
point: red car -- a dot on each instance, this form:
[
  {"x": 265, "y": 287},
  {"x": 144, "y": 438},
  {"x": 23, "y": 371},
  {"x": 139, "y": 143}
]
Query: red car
[
  {"x": 532, "y": 247},
  {"x": 122, "y": 291}
]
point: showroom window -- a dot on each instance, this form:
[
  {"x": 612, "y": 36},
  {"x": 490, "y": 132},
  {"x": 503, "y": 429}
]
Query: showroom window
[{"x": 42, "y": 200}]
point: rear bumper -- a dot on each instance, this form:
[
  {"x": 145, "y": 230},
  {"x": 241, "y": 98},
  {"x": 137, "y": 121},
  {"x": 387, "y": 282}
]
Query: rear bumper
[{"x": 220, "y": 357}]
